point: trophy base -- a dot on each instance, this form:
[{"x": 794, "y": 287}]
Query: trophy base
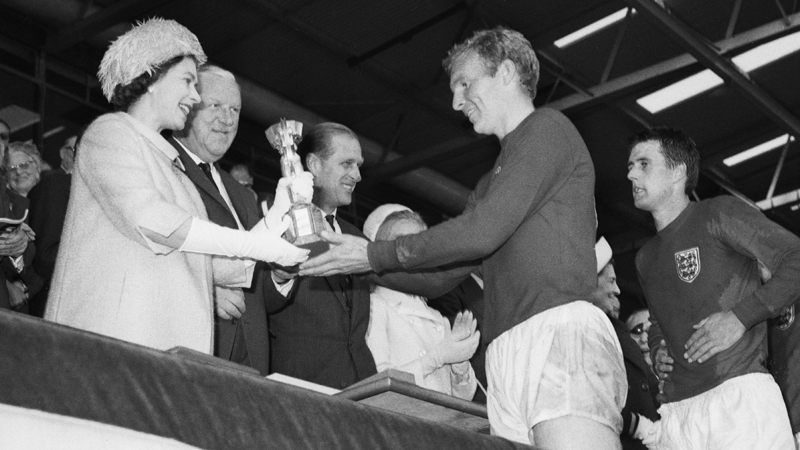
[{"x": 315, "y": 244}]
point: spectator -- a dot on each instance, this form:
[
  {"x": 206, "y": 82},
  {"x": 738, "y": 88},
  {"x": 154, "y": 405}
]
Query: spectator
[
  {"x": 241, "y": 173},
  {"x": 784, "y": 356},
  {"x": 638, "y": 325},
  {"x": 23, "y": 167},
  {"x": 5, "y": 135},
  {"x": 642, "y": 383},
  {"x": 605, "y": 295},
  {"x": 467, "y": 296},
  {"x": 20, "y": 282},
  {"x": 406, "y": 334},
  {"x": 784, "y": 362},
  {"x": 67, "y": 152}
]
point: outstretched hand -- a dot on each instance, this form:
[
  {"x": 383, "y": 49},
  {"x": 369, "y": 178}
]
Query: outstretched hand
[
  {"x": 716, "y": 333},
  {"x": 348, "y": 254}
]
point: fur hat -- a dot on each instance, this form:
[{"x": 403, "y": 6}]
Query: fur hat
[
  {"x": 603, "y": 253},
  {"x": 376, "y": 218},
  {"x": 145, "y": 46}
]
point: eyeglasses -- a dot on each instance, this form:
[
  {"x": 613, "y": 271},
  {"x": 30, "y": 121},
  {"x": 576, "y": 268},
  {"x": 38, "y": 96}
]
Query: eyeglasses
[
  {"x": 637, "y": 330},
  {"x": 23, "y": 166}
]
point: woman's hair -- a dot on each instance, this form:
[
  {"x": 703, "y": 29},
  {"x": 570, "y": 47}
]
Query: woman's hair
[
  {"x": 385, "y": 230},
  {"x": 26, "y": 148},
  {"x": 127, "y": 95}
]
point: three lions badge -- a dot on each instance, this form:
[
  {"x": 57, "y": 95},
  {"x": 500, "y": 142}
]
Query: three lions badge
[
  {"x": 785, "y": 319},
  {"x": 687, "y": 262}
]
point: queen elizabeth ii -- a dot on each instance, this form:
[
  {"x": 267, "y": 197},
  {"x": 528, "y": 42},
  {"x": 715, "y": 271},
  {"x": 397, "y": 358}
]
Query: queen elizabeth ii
[{"x": 138, "y": 257}]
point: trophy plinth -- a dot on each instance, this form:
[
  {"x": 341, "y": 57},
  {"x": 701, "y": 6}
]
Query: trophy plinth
[{"x": 307, "y": 221}]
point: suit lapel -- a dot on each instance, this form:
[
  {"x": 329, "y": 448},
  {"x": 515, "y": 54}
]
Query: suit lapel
[
  {"x": 239, "y": 206},
  {"x": 196, "y": 174},
  {"x": 336, "y": 286},
  {"x": 339, "y": 283}
]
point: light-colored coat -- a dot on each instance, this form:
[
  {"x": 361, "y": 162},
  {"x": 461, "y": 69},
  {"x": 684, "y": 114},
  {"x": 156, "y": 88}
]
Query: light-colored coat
[
  {"x": 402, "y": 329},
  {"x": 111, "y": 279}
]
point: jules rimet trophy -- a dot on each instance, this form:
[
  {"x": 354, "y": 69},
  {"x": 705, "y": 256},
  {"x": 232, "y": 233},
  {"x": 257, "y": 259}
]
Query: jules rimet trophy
[{"x": 307, "y": 220}]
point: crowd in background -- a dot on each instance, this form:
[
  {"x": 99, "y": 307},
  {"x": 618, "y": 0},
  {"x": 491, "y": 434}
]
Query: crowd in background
[{"x": 140, "y": 220}]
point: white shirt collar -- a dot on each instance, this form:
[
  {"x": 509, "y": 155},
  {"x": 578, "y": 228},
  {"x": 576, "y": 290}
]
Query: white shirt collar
[{"x": 194, "y": 157}]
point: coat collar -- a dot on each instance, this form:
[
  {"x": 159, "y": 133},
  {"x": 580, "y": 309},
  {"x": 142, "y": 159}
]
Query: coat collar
[{"x": 155, "y": 138}]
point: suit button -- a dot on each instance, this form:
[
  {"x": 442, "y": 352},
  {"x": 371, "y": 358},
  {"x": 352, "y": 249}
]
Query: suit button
[
  {"x": 343, "y": 384},
  {"x": 645, "y": 387}
]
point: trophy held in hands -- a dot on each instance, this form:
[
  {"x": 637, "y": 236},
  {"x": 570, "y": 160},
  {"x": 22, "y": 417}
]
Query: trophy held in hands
[{"x": 306, "y": 219}]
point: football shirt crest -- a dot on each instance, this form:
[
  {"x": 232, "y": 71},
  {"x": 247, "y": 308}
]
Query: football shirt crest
[
  {"x": 785, "y": 319},
  {"x": 687, "y": 262}
]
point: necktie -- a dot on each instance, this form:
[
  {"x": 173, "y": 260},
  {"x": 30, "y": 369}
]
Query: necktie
[
  {"x": 330, "y": 220},
  {"x": 206, "y": 168}
]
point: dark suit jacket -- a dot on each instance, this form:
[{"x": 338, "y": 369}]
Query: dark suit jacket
[
  {"x": 315, "y": 337},
  {"x": 642, "y": 384},
  {"x": 13, "y": 206},
  {"x": 49, "y": 200},
  {"x": 48, "y": 209},
  {"x": 254, "y": 319}
]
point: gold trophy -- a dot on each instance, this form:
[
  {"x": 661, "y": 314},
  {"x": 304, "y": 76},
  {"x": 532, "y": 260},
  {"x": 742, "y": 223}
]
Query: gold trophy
[{"x": 307, "y": 220}]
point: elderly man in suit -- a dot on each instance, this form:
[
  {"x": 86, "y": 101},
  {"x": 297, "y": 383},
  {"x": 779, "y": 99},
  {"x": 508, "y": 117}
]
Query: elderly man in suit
[
  {"x": 241, "y": 322},
  {"x": 318, "y": 325}
]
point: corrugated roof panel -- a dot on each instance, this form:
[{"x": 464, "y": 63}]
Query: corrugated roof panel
[{"x": 362, "y": 25}]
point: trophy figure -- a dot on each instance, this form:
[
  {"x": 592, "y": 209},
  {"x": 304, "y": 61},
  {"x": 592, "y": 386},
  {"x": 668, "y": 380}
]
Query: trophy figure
[{"x": 307, "y": 220}]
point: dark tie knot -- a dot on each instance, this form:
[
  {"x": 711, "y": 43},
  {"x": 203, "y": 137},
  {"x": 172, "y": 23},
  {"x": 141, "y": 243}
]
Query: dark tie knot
[
  {"x": 330, "y": 218},
  {"x": 206, "y": 168}
]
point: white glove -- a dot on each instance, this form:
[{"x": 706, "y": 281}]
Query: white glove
[
  {"x": 277, "y": 229},
  {"x": 302, "y": 187},
  {"x": 458, "y": 347},
  {"x": 210, "y": 239},
  {"x": 451, "y": 352},
  {"x": 463, "y": 325}
]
